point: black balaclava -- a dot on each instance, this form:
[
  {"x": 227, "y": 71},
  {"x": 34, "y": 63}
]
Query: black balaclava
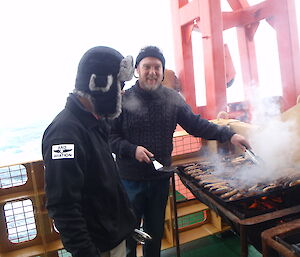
[{"x": 101, "y": 74}]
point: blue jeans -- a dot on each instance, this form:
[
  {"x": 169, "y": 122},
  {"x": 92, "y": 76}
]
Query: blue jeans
[{"x": 149, "y": 199}]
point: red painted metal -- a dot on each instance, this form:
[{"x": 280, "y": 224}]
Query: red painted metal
[
  {"x": 235, "y": 4},
  {"x": 214, "y": 67},
  {"x": 285, "y": 24},
  {"x": 208, "y": 17},
  {"x": 183, "y": 50}
]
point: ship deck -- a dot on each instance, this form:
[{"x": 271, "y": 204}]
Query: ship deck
[{"x": 226, "y": 245}]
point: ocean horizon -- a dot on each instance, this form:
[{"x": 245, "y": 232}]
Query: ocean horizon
[{"x": 22, "y": 144}]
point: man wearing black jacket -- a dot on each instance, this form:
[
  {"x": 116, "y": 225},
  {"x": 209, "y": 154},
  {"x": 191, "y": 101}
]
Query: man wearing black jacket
[
  {"x": 145, "y": 129},
  {"x": 85, "y": 196}
]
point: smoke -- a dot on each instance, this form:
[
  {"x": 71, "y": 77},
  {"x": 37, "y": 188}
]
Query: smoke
[
  {"x": 133, "y": 104},
  {"x": 274, "y": 143}
]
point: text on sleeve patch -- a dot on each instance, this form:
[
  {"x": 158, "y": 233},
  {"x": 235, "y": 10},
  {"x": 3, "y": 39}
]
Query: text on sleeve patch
[{"x": 63, "y": 151}]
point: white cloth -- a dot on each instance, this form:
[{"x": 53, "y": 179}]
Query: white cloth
[{"x": 118, "y": 251}]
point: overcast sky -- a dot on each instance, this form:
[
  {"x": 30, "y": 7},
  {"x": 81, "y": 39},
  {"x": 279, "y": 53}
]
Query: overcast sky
[{"x": 43, "y": 41}]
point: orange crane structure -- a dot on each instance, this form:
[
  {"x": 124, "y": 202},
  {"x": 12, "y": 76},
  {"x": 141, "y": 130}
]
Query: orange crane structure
[{"x": 207, "y": 17}]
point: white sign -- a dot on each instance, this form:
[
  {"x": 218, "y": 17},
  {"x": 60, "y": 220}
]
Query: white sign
[{"x": 65, "y": 151}]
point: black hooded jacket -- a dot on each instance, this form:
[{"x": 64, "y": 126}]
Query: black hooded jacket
[{"x": 84, "y": 193}]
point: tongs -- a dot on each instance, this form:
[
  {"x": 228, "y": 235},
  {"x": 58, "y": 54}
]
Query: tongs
[
  {"x": 253, "y": 157},
  {"x": 141, "y": 236}
]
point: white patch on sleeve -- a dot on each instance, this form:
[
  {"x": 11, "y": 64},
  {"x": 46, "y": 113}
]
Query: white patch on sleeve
[{"x": 64, "y": 151}]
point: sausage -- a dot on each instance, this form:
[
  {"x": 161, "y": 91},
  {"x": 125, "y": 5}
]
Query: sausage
[
  {"x": 208, "y": 181},
  {"x": 236, "y": 196},
  {"x": 229, "y": 194},
  {"x": 294, "y": 183},
  {"x": 217, "y": 184},
  {"x": 221, "y": 190},
  {"x": 269, "y": 188}
]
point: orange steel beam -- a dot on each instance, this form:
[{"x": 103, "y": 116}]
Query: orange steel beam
[
  {"x": 190, "y": 93},
  {"x": 295, "y": 50},
  {"x": 189, "y": 12},
  {"x": 288, "y": 48},
  {"x": 211, "y": 22},
  {"x": 183, "y": 56},
  {"x": 211, "y": 26},
  {"x": 250, "y": 14},
  {"x": 235, "y": 4},
  {"x": 248, "y": 63}
]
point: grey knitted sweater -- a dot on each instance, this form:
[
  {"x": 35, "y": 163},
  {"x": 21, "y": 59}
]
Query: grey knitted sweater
[{"x": 149, "y": 119}]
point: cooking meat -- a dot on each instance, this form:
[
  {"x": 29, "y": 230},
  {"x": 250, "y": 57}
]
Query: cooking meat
[
  {"x": 294, "y": 183},
  {"x": 216, "y": 185},
  {"x": 229, "y": 194},
  {"x": 222, "y": 190}
]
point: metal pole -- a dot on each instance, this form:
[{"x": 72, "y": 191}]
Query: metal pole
[
  {"x": 175, "y": 216},
  {"x": 243, "y": 240}
]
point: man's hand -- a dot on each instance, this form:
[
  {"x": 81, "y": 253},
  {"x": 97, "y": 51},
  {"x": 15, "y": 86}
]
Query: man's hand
[
  {"x": 142, "y": 154},
  {"x": 240, "y": 141}
]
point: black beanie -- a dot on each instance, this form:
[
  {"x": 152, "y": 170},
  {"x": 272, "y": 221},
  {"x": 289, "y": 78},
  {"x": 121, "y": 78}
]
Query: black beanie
[{"x": 150, "y": 51}]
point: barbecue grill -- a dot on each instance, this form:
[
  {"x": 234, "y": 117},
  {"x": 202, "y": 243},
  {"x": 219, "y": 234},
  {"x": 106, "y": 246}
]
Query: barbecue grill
[{"x": 248, "y": 210}]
